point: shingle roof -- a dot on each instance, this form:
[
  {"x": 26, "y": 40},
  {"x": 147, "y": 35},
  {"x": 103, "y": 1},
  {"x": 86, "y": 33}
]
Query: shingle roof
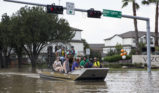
[
  {"x": 96, "y": 45},
  {"x": 131, "y": 34}
]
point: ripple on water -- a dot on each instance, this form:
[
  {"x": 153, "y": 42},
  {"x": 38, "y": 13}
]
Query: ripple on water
[{"x": 116, "y": 82}]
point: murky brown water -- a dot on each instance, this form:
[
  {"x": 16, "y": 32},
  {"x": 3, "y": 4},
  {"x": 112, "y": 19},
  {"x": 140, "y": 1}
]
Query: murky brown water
[{"x": 25, "y": 81}]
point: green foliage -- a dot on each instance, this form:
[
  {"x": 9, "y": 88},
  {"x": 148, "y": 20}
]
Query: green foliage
[
  {"x": 156, "y": 48},
  {"x": 119, "y": 65},
  {"x": 86, "y": 45},
  {"x": 95, "y": 54},
  {"x": 115, "y": 58},
  {"x": 147, "y": 2},
  {"x": 31, "y": 28},
  {"x": 126, "y": 2},
  {"x": 128, "y": 56},
  {"x": 111, "y": 53},
  {"x": 118, "y": 48},
  {"x": 141, "y": 46}
]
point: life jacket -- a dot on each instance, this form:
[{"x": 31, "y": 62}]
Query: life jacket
[{"x": 62, "y": 53}]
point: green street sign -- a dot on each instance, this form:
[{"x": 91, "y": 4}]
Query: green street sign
[{"x": 112, "y": 13}]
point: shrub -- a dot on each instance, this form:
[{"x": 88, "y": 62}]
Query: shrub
[
  {"x": 111, "y": 53},
  {"x": 128, "y": 56},
  {"x": 119, "y": 65},
  {"x": 112, "y": 58},
  {"x": 115, "y": 58}
]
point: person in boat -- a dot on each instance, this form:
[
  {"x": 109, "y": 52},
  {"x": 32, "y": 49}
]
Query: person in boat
[
  {"x": 57, "y": 66},
  {"x": 66, "y": 67},
  {"x": 75, "y": 64},
  {"x": 96, "y": 63},
  {"x": 71, "y": 54},
  {"x": 62, "y": 55},
  {"x": 83, "y": 62},
  {"x": 89, "y": 63},
  {"x": 58, "y": 50}
]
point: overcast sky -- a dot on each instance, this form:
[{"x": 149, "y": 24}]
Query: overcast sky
[{"x": 94, "y": 30}]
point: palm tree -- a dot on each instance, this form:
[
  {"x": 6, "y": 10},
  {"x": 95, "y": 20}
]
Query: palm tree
[
  {"x": 156, "y": 2},
  {"x": 135, "y": 6}
]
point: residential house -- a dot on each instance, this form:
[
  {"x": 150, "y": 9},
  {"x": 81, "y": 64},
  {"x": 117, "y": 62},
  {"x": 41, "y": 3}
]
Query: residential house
[
  {"x": 127, "y": 40},
  {"x": 76, "y": 42}
]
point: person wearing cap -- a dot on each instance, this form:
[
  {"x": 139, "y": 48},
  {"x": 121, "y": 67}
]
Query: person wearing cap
[
  {"x": 96, "y": 64},
  {"x": 57, "y": 65}
]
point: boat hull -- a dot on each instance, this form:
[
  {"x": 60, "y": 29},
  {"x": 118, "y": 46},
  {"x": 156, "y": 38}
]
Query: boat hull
[{"x": 98, "y": 74}]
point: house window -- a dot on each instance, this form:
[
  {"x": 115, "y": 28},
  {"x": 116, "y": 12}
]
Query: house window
[
  {"x": 134, "y": 41},
  {"x": 141, "y": 40},
  {"x": 151, "y": 40}
]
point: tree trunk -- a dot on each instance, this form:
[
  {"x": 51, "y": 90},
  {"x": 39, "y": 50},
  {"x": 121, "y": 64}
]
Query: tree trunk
[
  {"x": 4, "y": 60},
  {"x": 7, "y": 58},
  {"x": 1, "y": 58},
  {"x": 136, "y": 28},
  {"x": 33, "y": 62},
  {"x": 156, "y": 26},
  {"x": 19, "y": 59},
  {"x": 19, "y": 51}
]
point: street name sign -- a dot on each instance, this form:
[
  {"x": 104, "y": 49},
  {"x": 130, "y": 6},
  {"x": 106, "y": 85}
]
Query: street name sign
[
  {"x": 112, "y": 13},
  {"x": 70, "y": 8}
]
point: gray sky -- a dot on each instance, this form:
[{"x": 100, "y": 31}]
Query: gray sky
[{"x": 94, "y": 30}]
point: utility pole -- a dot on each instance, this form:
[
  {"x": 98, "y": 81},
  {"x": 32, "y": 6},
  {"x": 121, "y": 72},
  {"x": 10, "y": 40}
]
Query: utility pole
[{"x": 123, "y": 16}]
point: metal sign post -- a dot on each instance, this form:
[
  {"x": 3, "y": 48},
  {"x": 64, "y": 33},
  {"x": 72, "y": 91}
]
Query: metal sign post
[
  {"x": 111, "y": 14},
  {"x": 148, "y": 38}
]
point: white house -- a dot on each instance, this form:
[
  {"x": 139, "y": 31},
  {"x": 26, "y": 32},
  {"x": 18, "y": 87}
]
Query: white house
[
  {"x": 76, "y": 42},
  {"x": 127, "y": 40}
]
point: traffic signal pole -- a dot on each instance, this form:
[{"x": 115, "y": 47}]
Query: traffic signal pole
[
  {"x": 124, "y": 16},
  {"x": 148, "y": 38}
]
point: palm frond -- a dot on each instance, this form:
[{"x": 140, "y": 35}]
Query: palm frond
[
  {"x": 145, "y": 2},
  {"x": 125, "y": 0},
  {"x": 137, "y": 6},
  {"x": 124, "y": 4},
  {"x": 153, "y": 1}
]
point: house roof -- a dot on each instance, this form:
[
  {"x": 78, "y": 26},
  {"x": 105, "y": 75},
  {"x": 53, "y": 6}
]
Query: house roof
[
  {"x": 76, "y": 29},
  {"x": 131, "y": 34},
  {"x": 96, "y": 45}
]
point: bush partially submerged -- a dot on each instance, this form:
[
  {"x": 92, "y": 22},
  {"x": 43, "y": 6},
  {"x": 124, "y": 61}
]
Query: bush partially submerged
[{"x": 115, "y": 58}]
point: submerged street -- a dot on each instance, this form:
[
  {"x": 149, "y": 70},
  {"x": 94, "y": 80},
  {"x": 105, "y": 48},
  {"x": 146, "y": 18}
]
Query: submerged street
[{"x": 127, "y": 81}]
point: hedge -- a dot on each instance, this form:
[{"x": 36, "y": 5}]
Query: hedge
[
  {"x": 115, "y": 58},
  {"x": 130, "y": 65}
]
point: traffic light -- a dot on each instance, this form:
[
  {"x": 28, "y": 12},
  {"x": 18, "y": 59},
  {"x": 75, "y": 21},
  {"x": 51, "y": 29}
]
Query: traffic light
[
  {"x": 54, "y": 9},
  {"x": 93, "y": 13}
]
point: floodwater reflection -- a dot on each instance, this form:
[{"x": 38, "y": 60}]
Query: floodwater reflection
[{"x": 24, "y": 81}]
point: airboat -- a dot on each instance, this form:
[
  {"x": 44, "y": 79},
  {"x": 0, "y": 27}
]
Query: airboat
[{"x": 97, "y": 74}]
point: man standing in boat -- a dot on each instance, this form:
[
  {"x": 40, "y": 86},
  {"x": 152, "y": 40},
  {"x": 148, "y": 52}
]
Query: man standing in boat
[
  {"x": 66, "y": 65},
  {"x": 71, "y": 55}
]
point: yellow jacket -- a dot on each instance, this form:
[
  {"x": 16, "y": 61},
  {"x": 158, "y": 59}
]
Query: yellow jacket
[{"x": 96, "y": 64}]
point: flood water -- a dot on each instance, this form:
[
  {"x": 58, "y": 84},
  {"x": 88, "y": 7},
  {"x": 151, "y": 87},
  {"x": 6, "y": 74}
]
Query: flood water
[{"x": 28, "y": 81}]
